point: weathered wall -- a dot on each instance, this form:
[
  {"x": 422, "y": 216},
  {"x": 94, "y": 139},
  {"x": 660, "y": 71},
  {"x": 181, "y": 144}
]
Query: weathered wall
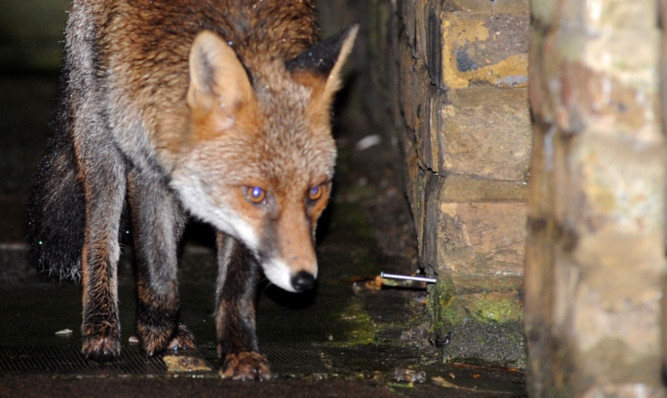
[
  {"x": 595, "y": 257},
  {"x": 448, "y": 82},
  {"x": 472, "y": 142}
]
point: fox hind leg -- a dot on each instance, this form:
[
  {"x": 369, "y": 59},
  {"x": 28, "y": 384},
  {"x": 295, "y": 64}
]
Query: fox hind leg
[
  {"x": 104, "y": 188},
  {"x": 158, "y": 223}
]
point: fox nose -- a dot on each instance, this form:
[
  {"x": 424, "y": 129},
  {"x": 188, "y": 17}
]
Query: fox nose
[{"x": 303, "y": 281}]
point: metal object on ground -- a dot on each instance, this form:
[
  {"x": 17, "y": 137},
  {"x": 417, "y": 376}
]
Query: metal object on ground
[{"x": 407, "y": 278}]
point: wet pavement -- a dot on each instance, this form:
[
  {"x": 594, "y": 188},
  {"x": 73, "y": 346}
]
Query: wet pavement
[{"x": 351, "y": 336}]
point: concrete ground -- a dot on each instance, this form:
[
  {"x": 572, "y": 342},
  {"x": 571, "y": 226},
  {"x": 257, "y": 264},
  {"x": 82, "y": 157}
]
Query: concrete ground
[{"x": 351, "y": 336}]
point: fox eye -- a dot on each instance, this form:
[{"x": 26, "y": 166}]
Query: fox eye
[
  {"x": 255, "y": 195},
  {"x": 315, "y": 192}
]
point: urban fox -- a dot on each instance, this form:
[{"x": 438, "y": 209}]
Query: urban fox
[{"x": 219, "y": 109}]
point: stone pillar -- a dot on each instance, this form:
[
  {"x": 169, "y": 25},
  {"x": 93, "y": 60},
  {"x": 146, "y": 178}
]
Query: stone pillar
[
  {"x": 595, "y": 259},
  {"x": 463, "y": 72},
  {"x": 448, "y": 83}
]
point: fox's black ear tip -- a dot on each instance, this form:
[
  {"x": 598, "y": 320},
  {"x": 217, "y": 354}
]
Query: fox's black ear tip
[
  {"x": 321, "y": 58},
  {"x": 351, "y": 32},
  {"x": 352, "y": 29},
  {"x": 346, "y": 34}
]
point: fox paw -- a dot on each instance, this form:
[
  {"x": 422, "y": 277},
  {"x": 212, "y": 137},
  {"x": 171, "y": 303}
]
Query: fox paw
[
  {"x": 247, "y": 365},
  {"x": 184, "y": 340},
  {"x": 101, "y": 348},
  {"x": 155, "y": 340}
]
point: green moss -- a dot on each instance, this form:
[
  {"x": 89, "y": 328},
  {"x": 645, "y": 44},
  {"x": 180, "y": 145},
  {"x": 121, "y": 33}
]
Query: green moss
[
  {"x": 440, "y": 302},
  {"x": 451, "y": 309},
  {"x": 484, "y": 327},
  {"x": 357, "y": 326},
  {"x": 494, "y": 307},
  {"x": 485, "y": 308}
]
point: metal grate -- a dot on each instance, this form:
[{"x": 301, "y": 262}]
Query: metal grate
[
  {"x": 287, "y": 360},
  {"x": 292, "y": 359},
  {"x": 69, "y": 361}
]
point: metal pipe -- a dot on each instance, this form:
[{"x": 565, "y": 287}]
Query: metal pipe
[{"x": 407, "y": 278}]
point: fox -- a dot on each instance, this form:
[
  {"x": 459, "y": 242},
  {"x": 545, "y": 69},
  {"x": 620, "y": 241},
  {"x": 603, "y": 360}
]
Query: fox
[{"x": 217, "y": 110}]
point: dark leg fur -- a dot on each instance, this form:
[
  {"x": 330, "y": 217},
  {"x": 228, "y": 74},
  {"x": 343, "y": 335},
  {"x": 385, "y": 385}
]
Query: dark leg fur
[
  {"x": 158, "y": 224},
  {"x": 235, "y": 315}
]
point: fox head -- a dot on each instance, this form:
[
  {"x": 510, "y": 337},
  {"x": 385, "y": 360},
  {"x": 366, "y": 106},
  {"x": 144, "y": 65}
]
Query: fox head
[{"x": 259, "y": 158}]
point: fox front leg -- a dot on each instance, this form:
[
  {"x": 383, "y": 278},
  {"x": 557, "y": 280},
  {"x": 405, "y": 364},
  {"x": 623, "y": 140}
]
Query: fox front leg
[
  {"x": 235, "y": 313},
  {"x": 158, "y": 223}
]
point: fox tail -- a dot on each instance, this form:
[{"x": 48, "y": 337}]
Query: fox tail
[{"x": 56, "y": 213}]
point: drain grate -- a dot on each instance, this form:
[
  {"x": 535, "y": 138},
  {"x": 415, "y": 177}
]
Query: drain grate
[
  {"x": 286, "y": 360},
  {"x": 292, "y": 359},
  {"x": 69, "y": 361}
]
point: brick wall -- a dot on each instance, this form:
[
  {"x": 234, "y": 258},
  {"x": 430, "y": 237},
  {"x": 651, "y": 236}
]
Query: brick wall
[{"x": 448, "y": 82}]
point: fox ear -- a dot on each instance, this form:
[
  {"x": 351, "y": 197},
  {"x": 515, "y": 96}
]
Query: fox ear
[
  {"x": 217, "y": 78},
  {"x": 321, "y": 64}
]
